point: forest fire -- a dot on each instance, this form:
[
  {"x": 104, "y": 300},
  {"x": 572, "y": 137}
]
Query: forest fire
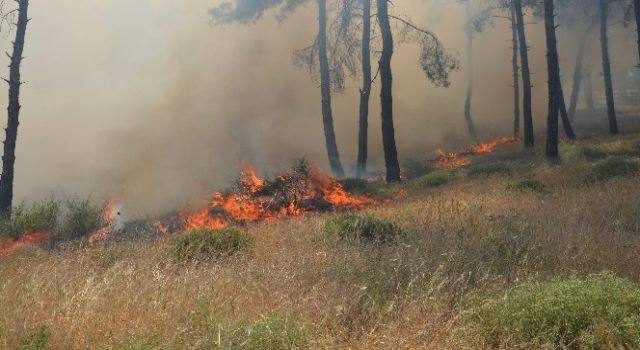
[
  {"x": 26, "y": 240},
  {"x": 303, "y": 189},
  {"x": 108, "y": 216},
  {"x": 459, "y": 159}
]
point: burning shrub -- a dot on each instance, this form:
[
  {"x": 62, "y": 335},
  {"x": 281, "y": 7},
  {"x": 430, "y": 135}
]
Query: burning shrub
[
  {"x": 611, "y": 168},
  {"x": 533, "y": 185},
  {"x": 597, "y": 312},
  {"x": 434, "y": 179},
  {"x": 79, "y": 218},
  {"x": 273, "y": 332},
  {"x": 362, "y": 227},
  {"x": 208, "y": 244},
  {"x": 38, "y": 340},
  {"x": 41, "y": 217}
]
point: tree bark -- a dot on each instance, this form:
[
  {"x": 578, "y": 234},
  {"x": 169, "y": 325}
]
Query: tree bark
[
  {"x": 516, "y": 76},
  {"x": 606, "y": 67},
  {"x": 564, "y": 116},
  {"x": 636, "y": 7},
  {"x": 325, "y": 87},
  {"x": 386, "y": 94},
  {"x": 577, "y": 75},
  {"x": 365, "y": 92},
  {"x": 13, "y": 112},
  {"x": 553, "y": 70},
  {"x": 526, "y": 75},
  {"x": 470, "y": 73}
]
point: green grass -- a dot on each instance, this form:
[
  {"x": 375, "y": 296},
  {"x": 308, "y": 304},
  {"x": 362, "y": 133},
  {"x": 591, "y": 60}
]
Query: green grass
[
  {"x": 489, "y": 169},
  {"x": 207, "y": 244},
  {"x": 600, "y": 311},
  {"x": 364, "y": 228},
  {"x": 273, "y": 332},
  {"x": 612, "y": 167},
  {"x": 39, "y": 340},
  {"x": 434, "y": 179},
  {"x": 533, "y": 185}
]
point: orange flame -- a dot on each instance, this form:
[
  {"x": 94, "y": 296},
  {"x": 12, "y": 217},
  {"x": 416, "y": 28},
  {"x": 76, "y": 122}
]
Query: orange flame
[
  {"x": 108, "y": 215},
  {"x": 249, "y": 205},
  {"x": 27, "y": 239},
  {"x": 458, "y": 159}
]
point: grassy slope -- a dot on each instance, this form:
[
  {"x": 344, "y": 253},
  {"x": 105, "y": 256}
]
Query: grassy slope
[{"x": 479, "y": 234}]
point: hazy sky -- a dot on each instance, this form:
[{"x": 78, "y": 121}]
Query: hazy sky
[{"x": 150, "y": 101}]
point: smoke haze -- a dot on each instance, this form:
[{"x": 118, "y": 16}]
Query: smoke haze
[{"x": 150, "y": 101}]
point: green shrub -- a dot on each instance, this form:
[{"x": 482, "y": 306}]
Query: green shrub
[
  {"x": 207, "y": 244},
  {"x": 362, "y": 227},
  {"x": 618, "y": 147},
  {"x": 528, "y": 185},
  {"x": 612, "y": 167},
  {"x": 79, "y": 218},
  {"x": 434, "y": 179},
  {"x": 597, "y": 312},
  {"x": 37, "y": 341},
  {"x": 376, "y": 190},
  {"x": 488, "y": 169},
  {"x": 39, "y": 217},
  {"x": 415, "y": 168},
  {"x": 270, "y": 333}
]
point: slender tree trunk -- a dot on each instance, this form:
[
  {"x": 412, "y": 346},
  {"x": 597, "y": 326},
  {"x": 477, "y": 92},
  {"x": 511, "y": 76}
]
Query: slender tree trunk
[
  {"x": 516, "y": 75},
  {"x": 588, "y": 91},
  {"x": 526, "y": 75},
  {"x": 564, "y": 116},
  {"x": 13, "y": 112},
  {"x": 553, "y": 68},
  {"x": 636, "y": 7},
  {"x": 365, "y": 92},
  {"x": 606, "y": 67},
  {"x": 470, "y": 73},
  {"x": 577, "y": 75},
  {"x": 325, "y": 87},
  {"x": 386, "y": 94}
]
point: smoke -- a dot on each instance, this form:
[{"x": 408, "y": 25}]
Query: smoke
[{"x": 148, "y": 100}]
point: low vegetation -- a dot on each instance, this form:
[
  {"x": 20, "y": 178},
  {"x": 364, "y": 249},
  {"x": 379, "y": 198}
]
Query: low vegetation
[
  {"x": 206, "y": 244},
  {"x": 434, "y": 179},
  {"x": 534, "y": 259}
]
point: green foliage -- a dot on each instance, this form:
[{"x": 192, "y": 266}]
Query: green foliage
[
  {"x": 612, "y": 167},
  {"x": 623, "y": 146},
  {"x": 600, "y": 311},
  {"x": 207, "y": 244},
  {"x": 39, "y": 217},
  {"x": 415, "y": 168},
  {"x": 362, "y": 227},
  {"x": 135, "y": 344},
  {"x": 37, "y": 341},
  {"x": 273, "y": 332},
  {"x": 489, "y": 169},
  {"x": 434, "y": 179},
  {"x": 533, "y": 185},
  {"x": 80, "y": 218},
  {"x": 374, "y": 190}
]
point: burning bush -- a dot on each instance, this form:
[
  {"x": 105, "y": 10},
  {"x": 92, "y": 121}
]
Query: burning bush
[
  {"x": 597, "y": 312},
  {"x": 208, "y": 244},
  {"x": 362, "y": 227},
  {"x": 41, "y": 217}
]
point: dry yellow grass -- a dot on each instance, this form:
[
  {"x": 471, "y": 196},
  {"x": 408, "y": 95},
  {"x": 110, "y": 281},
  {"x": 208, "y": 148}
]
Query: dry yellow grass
[{"x": 465, "y": 237}]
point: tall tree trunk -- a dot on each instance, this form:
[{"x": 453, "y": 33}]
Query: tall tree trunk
[
  {"x": 606, "y": 67},
  {"x": 577, "y": 75},
  {"x": 13, "y": 112},
  {"x": 325, "y": 87},
  {"x": 564, "y": 116},
  {"x": 526, "y": 75},
  {"x": 516, "y": 75},
  {"x": 588, "y": 91},
  {"x": 386, "y": 94},
  {"x": 365, "y": 92},
  {"x": 553, "y": 69},
  {"x": 470, "y": 73},
  {"x": 636, "y": 7}
]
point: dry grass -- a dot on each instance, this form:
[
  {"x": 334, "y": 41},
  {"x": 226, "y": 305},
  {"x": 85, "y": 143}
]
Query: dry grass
[{"x": 474, "y": 235}]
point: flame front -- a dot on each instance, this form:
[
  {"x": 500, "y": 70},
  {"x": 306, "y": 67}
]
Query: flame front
[
  {"x": 458, "y": 159},
  {"x": 26, "y": 240},
  {"x": 108, "y": 216}
]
